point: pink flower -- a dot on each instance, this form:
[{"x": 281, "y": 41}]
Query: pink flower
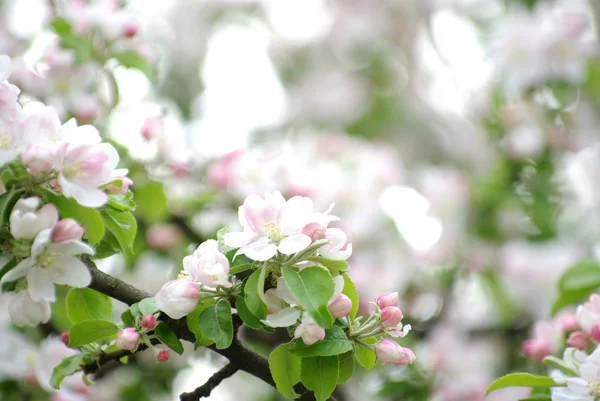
[
  {"x": 579, "y": 340},
  {"x": 27, "y": 221},
  {"x": 596, "y": 332},
  {"x": 387, "y": 299},
  {"x": 178, "y": 298},
  {"x": 568, "y": 321},
  {"x": 127, "y": 338},
  {"x": 153, "y": 127},
  {"x": 208, "y": 266},
  {"x": 391, "y": 352},
  {"x": 537, "y": 349},
  {"x": 310, "y": 331},
  {"x": 163, "y": 236},
  {"x": 119, "y": 182},
  {"x": 341, "y": 306},
  {"x": 318, "y": 229},
  {"x": 67, "y": 230},
  {"x": 148, "y": 321},
  {"x": 588, "y": 314},
  {"x": 163, "y": 355},
  {"x": 391, "y": 316}
]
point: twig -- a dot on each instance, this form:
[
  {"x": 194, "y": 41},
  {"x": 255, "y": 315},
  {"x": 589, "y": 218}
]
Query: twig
[{"x": 205, "y": 389}]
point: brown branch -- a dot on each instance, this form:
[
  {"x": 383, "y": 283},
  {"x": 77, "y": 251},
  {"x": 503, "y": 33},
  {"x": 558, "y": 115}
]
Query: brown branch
[{"x": 205, "y": 389}]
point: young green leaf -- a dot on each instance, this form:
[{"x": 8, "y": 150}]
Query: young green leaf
[
  {"x": 151, "y": 202},
  {"x": 312, "y": 287},
  {"x": 168, "y": 338},
  {"x": 122, "y": 225},
  {"x": 335, "y": 266},
  {"x": 128, "y": 319},
  {"x": 193, "y": 323},
  {"x": 247, "y": 317},
  {"x": 365, "y": 357},
  {"x": 351, "y": 292},
  {"x": 346, "y": 362},
  {"x": 147, "y": 306},
  {"x": 255, "y": 293},
  {"x": 132, "y": 59},
  {"x": 585, "y": 274},
  {"x": 90, "y": 331},
  {"x": 320, "y": 375},
  {"x": 122, "y": 202},
  {"x": 334, "y": 343},
  {"x": 216, "y": 324},
  {"x": 87, "y": 304},
  {"x": 285, "y": 369},
  {"x": 67, "y": 367},
  {"x": 522, "y": 380}
]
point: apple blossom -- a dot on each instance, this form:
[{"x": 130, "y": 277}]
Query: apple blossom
[
  {"x": 178, "y": 298},
  {"x": 579, "y": 340},
  {"x": 26, "y": 221},
  {"x": 595, "y": 334},
  {"x": 588, "y": 314},
  {"x": 391, "y": 316},
  {"x": 119, "y": 182},
  {"x": 586, "y": 386},
  {"x": 38, "y": 159},
  {"x": 51, "y": 263},
  {"x": 153, "y": 127},
  {"x": 24, "y": 311},
  {"x": 149, "y": 322},
  {"x": 67, "y": 230},
  {"x": 341, "y": 306},
  {"x": 270, "y": 225},
  {"x": 310, "y": 331},
  {"x": 207, "y": 265},
  {"x": 537, "y": 348},
  {"x": 163, "y": 355},
  {"x": 387, "y": 299},
  {"x": 127, "y": 338},
  {"x": 391, "y": 352},
  {"x": 163, "y": 236}
]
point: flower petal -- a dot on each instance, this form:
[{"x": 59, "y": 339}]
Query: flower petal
[
  {"x": 294, "y": 243},
  {"x": 260, "y": 250},
  {"x": 19, "y": 270},
  {"x": 40, "y": 286},
  {"x": 284, "y": 318},
  {"x": 74, "y": 273},
  {"x": 237, "y": 240}
]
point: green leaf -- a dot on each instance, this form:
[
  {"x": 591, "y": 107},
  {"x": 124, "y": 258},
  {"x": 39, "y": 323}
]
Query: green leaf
[
  {"x": 521, "y": 380},
  {"x": 147, "y": 306},
  {"x": 128, "y": 319},
  {"x": 216, "y": 324},
  {"x": 240, "y": 268},
  {"x": 567, "y": 298},
  {"x": 108, "y": 246},
  {"x": 334, "y": 343},
  {"x": 122, "y": 202},
  {"x": 193, "y": 323},
  {"x": 87, "y": 304},
  {"x": 168, "y": 338},
  {"x": 132, "y": 59},
  {"x": 60, "y": 26},
  {"x": 151, "y": 202},
  {"x": 585, "y": 274},
  {"x": 123, "y": 226},
  {"x": 365, "y": 357},
  {"x": 90, "y": 331},
  {"x": 351, "y": 292},
  {"x": 335, "y": 266},
  {"x": 346, "y": 362},
  {"x": 320, "y": 374},
  {"x": 285, "y": 369},
  {"x": 247, "y": 317},
  {"x": 89, "y": 218},
  {"x": 312, "y": 287},
  {"x": 66, "y": 367},
  {"x": 255, "y": 293},
  {"x": 7, "y": 203}
]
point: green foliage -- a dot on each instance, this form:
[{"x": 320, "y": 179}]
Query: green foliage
[
  {"x": 124, "y": 203},
  {"x": 254, "y": 290},
  {"x": 122, "y": 225},
  {"x": 334, "y": 343},
  {"x": 522, "y": 380},
  {"x": 89, "y": 218},
  {"x": 67, "y": 367},
  {"x": 285, "y": 369},
  {"x": 216, "y": 324},
  {"x": 132, "y": 59},
  {"x": 87, "y": 304},
  {"x": 577, "y": 283},
  {"x": 168, "y": 338},
  {"x": 81, "y": 46},
  {"x": 346, "y": 370},
  {"x": 351, "y": 292},
  {"x": 365, "y": 357},
  {"x": 247, "y": 317},
  {"x": 312, "y": 287},
  {"x": 151, "y": 202},
  {"x": 320, "y": 375},
  {"x": 7, "y": 202},
  {"x": 147, "y": 306},
  {"x": 90, "y": 331},
  {"x": 336, "y": 267},
  {"x": 193, "y": 323}
]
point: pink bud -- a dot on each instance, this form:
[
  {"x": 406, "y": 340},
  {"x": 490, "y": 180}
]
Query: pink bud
[
  {"x": 148, "y": 321},
  {"x": 178, "y": 298},
  {"x": 596, "y": 332},
  {"x": 64, "y": 337},
  {"x": 119, "y": 182},
  {"x": 569, "y": 322},
  {"x": 536, "y": 349},
  {"x": 579, "y": 340},
  {"x": 127, "y": 338},
  {"x": 388, "y": 299},
  {"x": 391, "y": 352},
  {"x": 130, "y": 28},
  {"x": 163, "y": 355},
  {"x": 86, "y": 109},
  {"x": 314, "y": 231},
  {"x": 163, "y": 236},
  {"x": 153, "y": 127},
  {"x": 67, "y": 230},
  {"x": 38, "y": 159},
  {"x": 391, "y": 316},
  {"x": 341, "y": 306}
]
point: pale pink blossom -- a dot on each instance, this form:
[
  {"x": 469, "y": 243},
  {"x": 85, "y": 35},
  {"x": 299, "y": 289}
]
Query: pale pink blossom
[
  {"x": 163, "y": 236},
  {"x": 588, "y": 314},
  {"x": 27, "y": 221},
  {"x": 127, "y": 338},
  {"x": 387, "y": 299},
  {"x": 310, "y": 331},
  {"x": 24, "y": 311},
  {"x": 391, "y": 316},
  {"x": 208, "y": 266},
  {"x": 341, "y": 306},
  {"x": 178, "y": 298},
  {"x": 391, "y": 352},
  {"x": 163, "y": 355},
  {"x": 119, "y": 182},
  {"x": 153, "y": 127},
  {"x": 67, "y": 230},
  {"x": 149, "y": 322},
  {"x": 579, "y": 340}
]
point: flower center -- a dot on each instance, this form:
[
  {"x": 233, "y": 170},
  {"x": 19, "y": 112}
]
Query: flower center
[
  {"x": 273, "y": 231},
  {"x": 49, "y": 259},
  {"x": 74, "y": 170},
  {"x": 4, "y": 141}
]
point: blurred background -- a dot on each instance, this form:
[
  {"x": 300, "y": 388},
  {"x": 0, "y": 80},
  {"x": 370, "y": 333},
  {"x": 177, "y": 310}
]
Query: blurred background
[{"x": 457, "y": 139}]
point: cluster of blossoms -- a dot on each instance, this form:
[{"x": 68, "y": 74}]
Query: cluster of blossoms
[{"x": 279, "y": 235}]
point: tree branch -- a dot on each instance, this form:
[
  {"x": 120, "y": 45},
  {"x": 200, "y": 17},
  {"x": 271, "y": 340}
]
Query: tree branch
[{"x": 205, "y": 389}]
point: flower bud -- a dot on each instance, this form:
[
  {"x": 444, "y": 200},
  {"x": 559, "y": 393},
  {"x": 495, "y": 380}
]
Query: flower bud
[
  {"x": 153, "y": 127},
  {"x": 388, "y": 299},
  {"x": 127, "y": 338},
  {"x": 391, "y": 316},
  {"x": 596, "y": 332},
  {"x": 391, "y": 352},
  {"x": 130, "y": 28},
  {"x": 163, "y": 236},
  {"x": 38, "y": 159},
  {"x": 67, "y": 230},
  {"x": 569, "y": 322},
  {"x": 64, "y": 337},
  {"x": 314, "y": 231},
  {"x": 148, "y": 321},
  {"x": 536, "y": 349},
  {"x": 163, "y": 355},
  {"x": 310, "y": 331},
  {"x": 178, "y": 298},
  {"x": 119, "y": 183},
  {"x": 579, "y": 340},
  {"x": 341, "y": 306}
]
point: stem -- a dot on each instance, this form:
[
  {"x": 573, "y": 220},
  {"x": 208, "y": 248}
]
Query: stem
[{"x": 205, "y": 389}]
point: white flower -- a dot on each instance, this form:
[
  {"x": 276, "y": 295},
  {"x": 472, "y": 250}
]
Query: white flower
[
  {"x": 51, "y": 263},
  {"x": 208, "y": 266},
  {"x": 270, "y": 225},
  {"x": 26, "y": 221},
  {"x": 588, "y": 314},
  {"x": 310, "y": 331},
  {"x": 586, "y": 387},
  {"x": 24, "y": 311},
  {"x": 178, "y": 298}
]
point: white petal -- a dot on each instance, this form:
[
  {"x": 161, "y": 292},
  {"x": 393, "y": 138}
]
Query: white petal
[
  {"x": 294, "y": 243},
  {"x": 295, "y": 214},
  {"x": 338, "y": 255},
  {"x": 43, "y": 239},
  {"x": 40, "y": 286},
  {"x": 5, "y": 67},
  {"x": 89, "y": 197},
  {"x": 75, "y": 274},
  {"x": 339, "y": 287},
  {"x": 237, "y": 240},
  {"x": 260, "y": 250},
  {"x": 72, "y": 248},
  {"x": 283, "y": 292},
  {"x": 111, "y": 152},
  {"x": 19, "y": 270},
  {"x": 284, "y": 318}
]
